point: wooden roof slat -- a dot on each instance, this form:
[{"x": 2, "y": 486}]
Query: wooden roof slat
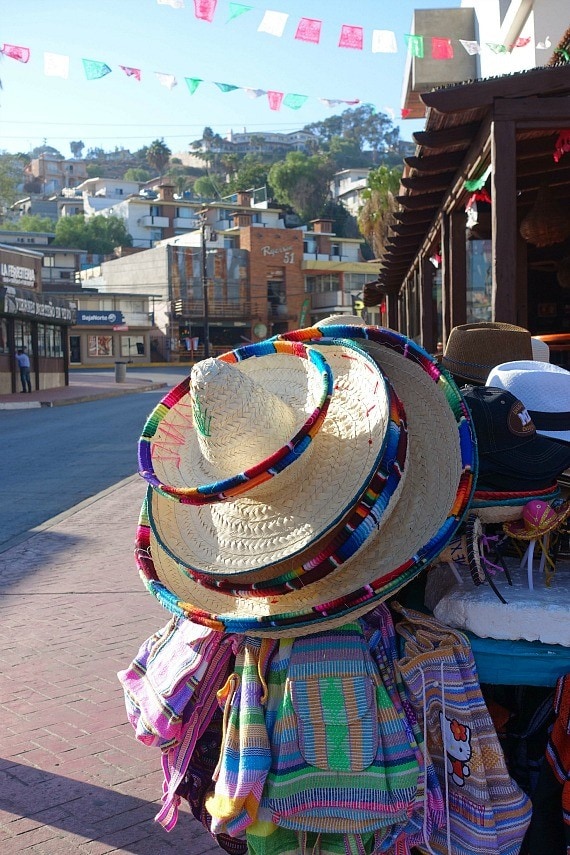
[
  {"x": 407, "y": 229},
  {"x": 446, "y": 137},
  {"x": 481, "y": 93},
  {"x": 436, "y": 162},
  {"x": 414, "y": 217},
  {"x": 420, "y": 202},
  {"x": 428, "y": 183}
]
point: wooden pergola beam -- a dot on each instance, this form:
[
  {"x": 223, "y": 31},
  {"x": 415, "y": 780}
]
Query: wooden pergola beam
[
  {"x": 533, "y": 110},
  {"x": 428, "y": 183},
  {"x": 436, "y": 162},
  {"x": 413, "y": 217},
  {"x": 420, "y": 202},
  {"x": 445, "y": 137}
]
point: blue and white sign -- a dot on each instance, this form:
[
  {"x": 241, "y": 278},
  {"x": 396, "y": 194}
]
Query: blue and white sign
[{"x": 101, "y": 319}]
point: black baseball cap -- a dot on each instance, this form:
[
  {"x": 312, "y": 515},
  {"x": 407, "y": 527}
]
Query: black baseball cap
[{"x": 509, "y": 447}]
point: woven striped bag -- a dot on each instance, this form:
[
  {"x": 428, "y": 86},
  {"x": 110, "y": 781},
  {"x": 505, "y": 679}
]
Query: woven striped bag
[
  {"x": 342, "y": 761},
  {"x": 487, "y": 812}
]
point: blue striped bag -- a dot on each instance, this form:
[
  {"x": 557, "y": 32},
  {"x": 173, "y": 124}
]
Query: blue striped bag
[{"x": 342, "y": 761}]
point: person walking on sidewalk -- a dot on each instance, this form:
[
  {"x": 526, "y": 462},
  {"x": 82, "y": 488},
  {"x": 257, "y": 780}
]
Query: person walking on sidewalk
[{"x": 24, "y": 366}]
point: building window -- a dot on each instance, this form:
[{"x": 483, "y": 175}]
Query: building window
[
  {"x": 65, "y": 274},
  {"x": 310, "y": 246},
  {"x": 3, "y": 335},
  {"x": 48, "y": 261},
  {"x": 335, "y": 249},
  {"x": 155, "y": 210},
  {"x": 100, "y": 345},
  {"x": 132, "y": 345}
]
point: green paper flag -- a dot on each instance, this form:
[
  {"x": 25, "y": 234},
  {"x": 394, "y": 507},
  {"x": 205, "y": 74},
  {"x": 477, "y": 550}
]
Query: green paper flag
[
  {"x": 477, "y": 183},
  {"x": 237, "y": 9},
  {"x": 94, "y": 70},
  {"x": 226, "y": 87},
  {"x": 193, "y": 83},
  {"x": 294, "y": 101},
  {"x": 415, "y": 45},
  {"x": 496, "y": 48}
]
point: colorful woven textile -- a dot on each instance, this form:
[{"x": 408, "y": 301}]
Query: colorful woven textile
[
  {"x": 558, "y": 748},
  {"x": 197, "y": 783},
  {"x": 486, "y": 810},
  {"x": 246, "y": 754},
  {"x": 341, "y": 758}
]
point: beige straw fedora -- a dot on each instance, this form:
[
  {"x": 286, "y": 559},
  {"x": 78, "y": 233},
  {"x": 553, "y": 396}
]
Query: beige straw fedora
[
  {"x": 472, "y": 350},
  {"x": 406, "y": 524}
]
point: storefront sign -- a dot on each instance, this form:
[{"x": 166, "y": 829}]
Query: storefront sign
[
  {"x": 16, "y": 302},
  {"x": 101, "y": 319},
  {"x": 287, "y": 252},
  {"x": 20, "y": 268}
]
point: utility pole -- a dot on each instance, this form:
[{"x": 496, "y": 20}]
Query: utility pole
[{"x": 205, "y": 286}]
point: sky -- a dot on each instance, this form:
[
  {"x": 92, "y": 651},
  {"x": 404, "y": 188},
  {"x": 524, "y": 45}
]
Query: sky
[{"x": 118, "y": 111}]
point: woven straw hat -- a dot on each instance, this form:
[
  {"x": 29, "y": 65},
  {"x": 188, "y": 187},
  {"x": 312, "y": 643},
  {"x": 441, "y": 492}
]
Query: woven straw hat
[
  {"x": 366, "y": 542},
  {"x": 472, "y": 350},
  {"x": 544, "y": 389}
]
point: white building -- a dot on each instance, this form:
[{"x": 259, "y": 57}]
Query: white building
[{"x": 347, "y": 186}]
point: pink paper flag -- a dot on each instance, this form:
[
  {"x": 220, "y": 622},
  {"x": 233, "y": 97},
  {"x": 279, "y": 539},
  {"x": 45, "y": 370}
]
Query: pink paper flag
[
  {"x": 522, "y": 41},
  {"x": 22, "y": 54},
  {"x": 351, "y": 37},
  {"x": 309, "y": 30},
  {"x": 441, "y": 49},
  {"x": 275, "y": 99},
  {"x": 404, "y": 112},
  {"x": 131, "y": 72},
  {"x": 352, "y": 102},
  {"x": 205, "y": 9}
]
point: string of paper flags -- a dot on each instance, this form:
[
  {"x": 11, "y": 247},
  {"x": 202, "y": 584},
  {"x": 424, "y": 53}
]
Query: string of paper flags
[{"x": 274, "y": 23}]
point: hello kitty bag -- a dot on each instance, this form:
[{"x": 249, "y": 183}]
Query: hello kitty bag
[{"x": 487, "y": 812}]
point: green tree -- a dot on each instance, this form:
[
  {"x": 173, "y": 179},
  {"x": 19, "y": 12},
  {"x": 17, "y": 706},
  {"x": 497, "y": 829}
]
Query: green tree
[
  {"x": 207, "y": 187},
  {"x": 77, "y": 148},
  {"x": 32, "y": 223},
  {"x": 158, "y": 155},
  {"x": 376, "y": 213},
  {"x": 302, "y": 182},
  {"x": 98, "y": 234},
  {"x": 11, "y": 175},
  {"x": 252, "y": 171},
  {"x": 363, "y": 125},
  {"x": 137, "y": 174}
]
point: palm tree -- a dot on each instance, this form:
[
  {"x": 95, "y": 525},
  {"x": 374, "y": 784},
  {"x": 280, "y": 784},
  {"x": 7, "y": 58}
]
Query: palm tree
[
  {"x": 376, "y": 214},
  {"x": 158, "y": 155}
]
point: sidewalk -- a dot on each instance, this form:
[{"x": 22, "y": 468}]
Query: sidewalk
[
  {"x": 73, "y": 778},
  {"x": 83, "y": 386}
]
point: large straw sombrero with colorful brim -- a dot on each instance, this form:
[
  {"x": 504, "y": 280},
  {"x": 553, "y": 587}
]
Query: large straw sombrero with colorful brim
[{"x": 299, "y": 481}]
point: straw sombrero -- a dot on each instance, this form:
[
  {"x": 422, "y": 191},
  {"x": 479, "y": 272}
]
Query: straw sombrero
[{"x": 370, "y": 520}]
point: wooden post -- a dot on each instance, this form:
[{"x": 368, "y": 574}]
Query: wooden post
[
  {"x": 458, "y": 269},
  {"x": 504, "y": 222},
  {"x": 445, "y": 278},
  {"x": 427, "y": 314}
]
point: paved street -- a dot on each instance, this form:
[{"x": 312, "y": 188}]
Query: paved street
[
  {"x": 73, "y": 778},
  {"x": 73, "y": 612}
]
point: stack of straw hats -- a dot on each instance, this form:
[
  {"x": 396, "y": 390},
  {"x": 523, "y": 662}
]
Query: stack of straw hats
[{"x": 296, "y": 483}]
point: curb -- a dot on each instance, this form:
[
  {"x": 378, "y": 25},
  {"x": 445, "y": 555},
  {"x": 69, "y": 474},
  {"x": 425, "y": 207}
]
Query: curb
[
  {"x": 81, "y": 399},
  {"x": 38, "y": 529}
]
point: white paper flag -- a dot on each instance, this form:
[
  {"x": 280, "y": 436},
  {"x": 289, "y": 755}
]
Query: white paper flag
[
  {"x": 471, "y": 47},
  {"x": 545, "y": 44},
  {"x": 273, "y": 23},
  {"x": 384, "y": 41},
  {"x": 168, "y": 80},
  {"x": 330, "y": 102},
  {"x": 176, "y": 4},
  {"x": 254, "y": 93},
  {"x": 56, "y": 65}
]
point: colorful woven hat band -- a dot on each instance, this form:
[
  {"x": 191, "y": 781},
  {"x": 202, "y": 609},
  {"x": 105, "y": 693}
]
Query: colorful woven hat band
[
  {"x": 161, "y": 438},
  {"x": 341, "y": 572},
  {"x": 337, "y": 546}
]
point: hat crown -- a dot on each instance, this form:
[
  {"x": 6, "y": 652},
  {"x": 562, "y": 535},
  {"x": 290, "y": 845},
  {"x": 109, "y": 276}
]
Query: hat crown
[{"x": 238, "y": 421}]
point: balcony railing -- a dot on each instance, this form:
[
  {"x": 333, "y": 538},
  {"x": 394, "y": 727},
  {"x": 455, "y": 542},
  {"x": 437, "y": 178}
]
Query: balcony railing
[{"x": 216, "y": 308}]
